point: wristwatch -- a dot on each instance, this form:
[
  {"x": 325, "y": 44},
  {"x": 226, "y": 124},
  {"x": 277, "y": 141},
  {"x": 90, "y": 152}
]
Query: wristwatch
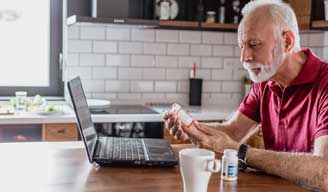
[{"x": 242, "y": 163}]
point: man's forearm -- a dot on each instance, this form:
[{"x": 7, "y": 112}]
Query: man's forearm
[{"x": 308, "y": 170}]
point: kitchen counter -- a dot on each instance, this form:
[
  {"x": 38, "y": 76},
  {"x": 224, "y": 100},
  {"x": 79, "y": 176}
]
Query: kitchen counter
[{"x": 204, "y": 113}]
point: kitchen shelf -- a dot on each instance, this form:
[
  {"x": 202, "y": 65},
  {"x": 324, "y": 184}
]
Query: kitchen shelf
[
  {"x": 220, "y": 26},
  {"x": 160, "y": 24},
  {"x": 178, "y": 24},
  {"x": 74, "y": 19},
  {"x": 320, "y": 24}
]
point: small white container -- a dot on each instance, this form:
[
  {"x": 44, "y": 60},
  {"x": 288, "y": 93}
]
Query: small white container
[
  {"x": 326, "y": 9},
  {"x": 21, "y": 100},
  {"x": 182, "y": 115},
  {"x": 229, "y": 168}
]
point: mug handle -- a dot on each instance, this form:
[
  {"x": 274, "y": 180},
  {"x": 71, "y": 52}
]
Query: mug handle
[{"x": 213, "y": 165}]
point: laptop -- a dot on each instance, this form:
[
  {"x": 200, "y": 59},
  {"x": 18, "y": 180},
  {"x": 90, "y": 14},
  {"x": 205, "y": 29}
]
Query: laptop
[{"x": 116, "y": 151}]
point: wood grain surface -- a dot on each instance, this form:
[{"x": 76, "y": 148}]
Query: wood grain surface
[{"x": 63, "y": 166}]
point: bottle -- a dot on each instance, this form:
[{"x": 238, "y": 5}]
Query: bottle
[
  {"x": 182, "y": 115},
  {"x": 221, "y": 11},
  {"x": 165, "y": 10},
  {"x": 229, "y": 165}
]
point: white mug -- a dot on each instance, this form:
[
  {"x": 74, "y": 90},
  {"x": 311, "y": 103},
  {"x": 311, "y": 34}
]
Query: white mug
[{"x": 196, "y": 167}]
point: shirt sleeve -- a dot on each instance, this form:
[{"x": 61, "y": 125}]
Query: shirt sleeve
[
  {"x": 250, "y": 106},
  {"x": 322, "y": 119}
]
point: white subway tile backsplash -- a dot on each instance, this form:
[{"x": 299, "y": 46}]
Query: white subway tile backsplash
[
  {"x": 165, "y": 86},
  {"x": 212, "y": 37},
  {"x": 180, "y": 98},
  {"x": 232, "y": 63},
  {"x": 200, "y": 50},
  {"x": 155, "y": 48},
  {"x": 316, "y": 39},
  {"x": 145, "y": 35},
  {"x": 118, "y": 60},
  {"x": 93, "y": 33},
  {"x": 212, "y": 62},
  {"x": 167, "y": 61},
  {"x": 237, "y": 51},
  {"x": 94, "y": 86},
  {"x": 132, "y": 65},
  {"x": 83, "y": 72},
  {"x": 118, "y": 33},
  {"x": 223, "y": 50},
  {"x": 72, "y": 59},
  {"x": 117, "y": 86},
  {"x": 131, "y": 47},
  {"x": 240, "y": 74},
  {"x": 104, "y": 47},
  {"x": 212, "y": 86},
  {"x": 187, "y": 62},
  {"x": 218, "y": 99},
  {"x": 79, "y": 46},
  {"x": 325, "y": 54},
  {"x": 231, "y": 86},
  {"x": 177, "y": 74},
  {"x": 104, "y": 73},
  {"x": 230, "y": 39},
  {"x": 130, "y": 73},
  {"x": 178, "y": 49},
  {"x": 183, "y": 86},
  {"x": 325, "y": 33},
  {"x": 108, "y": 96},
  {"x": 304, "y": 39},
  {"x": 190, "y": 37},
  {"x": 204, "y": 74},
  {"x": 142, "y": 61},
  {"x": 154, "y": 74},
  {"x": 155, "y": 97},
  {"x": 92, "y": 59},
  {"x": 142, "y": 86},
  {"x": 221, "y": 74},
  {"x": 130, "y": 96},
  {"x": 73, "y": 32},
  {"x": 167, "y": 36}
]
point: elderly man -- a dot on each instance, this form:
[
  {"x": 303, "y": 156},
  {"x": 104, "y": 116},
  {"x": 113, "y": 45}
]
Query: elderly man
[{"x": 289, "y": 98}]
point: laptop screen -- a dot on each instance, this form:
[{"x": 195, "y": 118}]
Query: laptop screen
[{"x": 86, "y": 127}]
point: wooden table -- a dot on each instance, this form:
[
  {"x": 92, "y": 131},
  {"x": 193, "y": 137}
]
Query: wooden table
[{"x": 63, "y": 166}]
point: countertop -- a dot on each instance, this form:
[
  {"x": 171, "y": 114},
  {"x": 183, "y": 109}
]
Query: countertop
[{"x": 204, "y": 113}]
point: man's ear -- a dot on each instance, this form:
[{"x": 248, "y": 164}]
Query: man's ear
[{"x": 288, "y": 41}]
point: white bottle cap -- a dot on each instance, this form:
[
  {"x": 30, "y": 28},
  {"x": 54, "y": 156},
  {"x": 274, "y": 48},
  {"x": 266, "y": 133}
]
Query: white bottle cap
[{"x": 230, "y": 153}]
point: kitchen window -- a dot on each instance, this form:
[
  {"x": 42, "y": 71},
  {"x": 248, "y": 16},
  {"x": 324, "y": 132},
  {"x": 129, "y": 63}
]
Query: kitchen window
[{"x": 31, "y": 41}]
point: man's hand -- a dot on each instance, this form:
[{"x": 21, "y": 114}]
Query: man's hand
[
  {"x": 173, "y": 124},
  {"x": 210, "y": 138}
]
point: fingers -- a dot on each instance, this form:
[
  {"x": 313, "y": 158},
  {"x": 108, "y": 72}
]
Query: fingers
[
  {"x": 204, "y": 128},
  {"x": 194, "y": 133}
]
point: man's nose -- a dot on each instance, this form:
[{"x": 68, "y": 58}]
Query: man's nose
[{"x": 246, "y": 55}]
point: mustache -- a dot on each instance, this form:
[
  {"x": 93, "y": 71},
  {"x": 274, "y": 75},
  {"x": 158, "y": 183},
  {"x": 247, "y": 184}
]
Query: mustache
[{"x": 250, "y": 66}]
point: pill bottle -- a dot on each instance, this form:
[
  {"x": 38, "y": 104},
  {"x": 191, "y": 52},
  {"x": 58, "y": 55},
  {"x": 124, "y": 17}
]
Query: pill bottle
[
  {"x": 229, "y": 165},
  {"x": 182, "y": 115}
]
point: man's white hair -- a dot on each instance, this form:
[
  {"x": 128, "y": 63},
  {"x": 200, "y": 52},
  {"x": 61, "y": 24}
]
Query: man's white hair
[{"x": 282, "y": 14}]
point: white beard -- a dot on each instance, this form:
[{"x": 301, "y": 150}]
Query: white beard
[{"x": 266, "y": 72}]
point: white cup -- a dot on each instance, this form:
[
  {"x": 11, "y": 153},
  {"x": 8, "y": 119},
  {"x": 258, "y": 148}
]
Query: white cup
[{"x": 196, "y": 167}]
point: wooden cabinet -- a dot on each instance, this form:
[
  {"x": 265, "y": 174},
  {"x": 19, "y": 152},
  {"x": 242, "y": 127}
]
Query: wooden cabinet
[{"x": 59, "y": 132}]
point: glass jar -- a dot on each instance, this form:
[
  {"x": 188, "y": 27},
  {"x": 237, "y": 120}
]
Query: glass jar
[{"x": 210, "y": 18}]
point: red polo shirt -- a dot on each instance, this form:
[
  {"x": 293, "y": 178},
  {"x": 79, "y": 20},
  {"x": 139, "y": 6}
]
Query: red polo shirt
[{"x": 293, "y": 117}]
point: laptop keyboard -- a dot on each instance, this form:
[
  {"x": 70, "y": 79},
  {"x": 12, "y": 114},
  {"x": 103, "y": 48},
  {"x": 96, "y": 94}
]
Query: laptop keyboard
[{"x": 119, "y": 148}]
